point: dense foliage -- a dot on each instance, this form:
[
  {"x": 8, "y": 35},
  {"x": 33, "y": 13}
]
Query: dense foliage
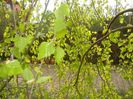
[{"x": 87, "y": 47}]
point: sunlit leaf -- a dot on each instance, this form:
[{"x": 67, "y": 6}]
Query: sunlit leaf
[
  {"x": 62, "y": 11},
  {"x": 122, "y": 20},
  {"x": 15, "y": 52},
  {"x": 43, "y": 79},
  {"x": 10, "y": 68},
  {"x": 61, "y": 34},
  {"x": 114, "y": 37},
  {"x": 21, "y": 27},
  {"x": 60, "y": 24},
  {"x": 59, "y": 54},
  {"x": 14, "y": 67},
  {"x": 130, "y": 47},
  {"x": 45, "y": 50},
  {"x": 22, "y": 42},
  {"x": 27, "y": 74},
  {"x": 3, "y": 71}
]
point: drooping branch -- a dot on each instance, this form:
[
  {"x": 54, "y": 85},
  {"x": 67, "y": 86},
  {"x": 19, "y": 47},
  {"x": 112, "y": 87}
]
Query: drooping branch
[{"x": 102, "y": 38}]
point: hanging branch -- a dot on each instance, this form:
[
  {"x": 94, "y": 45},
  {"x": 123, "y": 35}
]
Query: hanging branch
[{"x": 102, "y": 38}]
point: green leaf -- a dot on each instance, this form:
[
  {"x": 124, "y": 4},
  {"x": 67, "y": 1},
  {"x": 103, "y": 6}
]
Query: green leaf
[
  {"x": 62, "y": 11},
  {"x": 122, "y": 20},
  {"x": 114, "y": 36},
  {"x": 3, "y": 71},
  {"x": 10, "y": 68},
  {"x": 45, "y": 50},
  {"x": 130, "y": 47},
  {"x": 61, "y": 34},
  {"x": 22, "y": 42},
  {"x": 59, "y": 54},
  {"x": 27, "y": 74},
  {"x": 43, "y": 79},
  {"x": 60, "y": 24},
  {"x": 15, "y": 52},
  {"x": 14, "y": 67},
  {"x": 21, "y": 27}
]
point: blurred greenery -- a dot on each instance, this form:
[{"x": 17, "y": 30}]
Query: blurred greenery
[{"x": 41, "y": 51}]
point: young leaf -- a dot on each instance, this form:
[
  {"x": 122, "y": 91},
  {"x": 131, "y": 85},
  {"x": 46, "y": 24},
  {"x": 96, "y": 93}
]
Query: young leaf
[
  {"x": 61, "y": 34},
  {"x": 62, "y": 11},
  {"x": 22, "y": 42},
  {"x": 14, "y": 67},
  {"x": 15, "y": 52},
  {"x": 3, "y": 71},
  {"x": 21, "y": 27},
  {"x": 10, "y": 68},
  {"x": 59, "y": 54},
  {"x": 60, "y": 24},
  {"x": 27, "y": 74},
  {"x": 45, "y": 50},
  {"x": 114, "y": 36},
  {"x": 43, "y": 79}
]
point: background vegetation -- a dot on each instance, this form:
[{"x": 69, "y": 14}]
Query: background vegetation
[{"x": 79, "y": 50}]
